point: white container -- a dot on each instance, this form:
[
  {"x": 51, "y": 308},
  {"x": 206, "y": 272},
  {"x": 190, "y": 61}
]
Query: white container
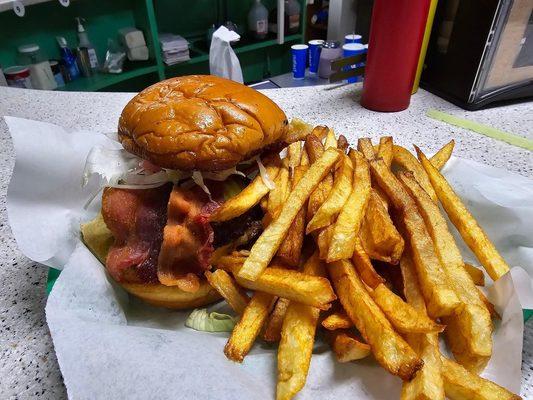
[
  {"x": 42, "y": 76},
  {"x": 258, "y": 20},
  {"x": 131, "y": 37}
]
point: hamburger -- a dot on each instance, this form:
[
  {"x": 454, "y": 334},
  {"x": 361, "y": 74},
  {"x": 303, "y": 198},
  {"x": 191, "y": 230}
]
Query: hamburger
[{"x": 203, "y": 130}]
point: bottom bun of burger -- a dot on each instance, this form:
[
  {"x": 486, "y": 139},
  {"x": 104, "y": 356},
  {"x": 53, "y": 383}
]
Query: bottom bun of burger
[{"x": 171, "y": 296}]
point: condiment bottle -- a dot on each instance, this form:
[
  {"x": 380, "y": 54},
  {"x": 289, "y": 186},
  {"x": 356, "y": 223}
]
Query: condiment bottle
[{"x": 396, "y": 32}]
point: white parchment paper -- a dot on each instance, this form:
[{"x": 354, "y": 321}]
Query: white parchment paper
[{"x": 112, "y": 346}]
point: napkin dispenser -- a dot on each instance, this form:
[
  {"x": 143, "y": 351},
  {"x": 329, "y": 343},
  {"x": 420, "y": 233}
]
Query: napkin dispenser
[{"x": 481, "y": 52}]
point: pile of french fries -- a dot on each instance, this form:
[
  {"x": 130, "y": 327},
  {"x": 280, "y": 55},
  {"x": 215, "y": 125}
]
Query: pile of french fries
[{"x": 336, "y": 216}]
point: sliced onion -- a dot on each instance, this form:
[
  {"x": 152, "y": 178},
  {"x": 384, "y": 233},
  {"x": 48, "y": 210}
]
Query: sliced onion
[
  {"x": 199, "y": 180},
  {"x": 269, "y": 183},
  {"x": 222, "y": 175}
]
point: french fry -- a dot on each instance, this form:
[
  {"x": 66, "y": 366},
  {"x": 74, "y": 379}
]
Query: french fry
[
  {"x": 466, "y": 224},
  {"x": 297, "y": 130},
  {"x": 460, "y": 384},
  {"x": 245, "y": 332},
  {"x": 272, "y": 332},
  {"x": 249, "y": 196},
  {"x": 278, "y": 195},
  {"x": 440, "y": 297},
  {"x": 347, "y": 347},
  {"x": 342, "y": 143},
  {"x": 292, "y": 285},
  {"x": 315, "y": 149},
  {"x": 404, "y": 317},
  {"x": 297, "y": 339},
  {"x": 427, "y": 384},
  {"x": 364, "y": 267},
  {"x": 331, "y": 140},
  {"x": 291, "y": 248},
  {"x": 268, "y": 243},
  {"x": 225, "y": 285},
  {"x": 477, "y": 275},
  {"x": 346, "y": 230},
  {"x": 320, "y": 132},
  {"x": 342, "y": 187},
  {"x": 380, "y": 238},
  {"x": 294, "y": 154},
  {"x": 405, "y": 159},
  {"x": 322, "y": 241},
  {"x": 389, "y": 349},
  {"x": 385, "y": 150},
  {"x": 441, "y": 157},
  {"x": 337, "y": 320}
]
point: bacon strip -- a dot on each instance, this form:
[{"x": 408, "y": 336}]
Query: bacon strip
[
  {"x": 187, "y": 240},
  {"x": 136, "y": 218}
]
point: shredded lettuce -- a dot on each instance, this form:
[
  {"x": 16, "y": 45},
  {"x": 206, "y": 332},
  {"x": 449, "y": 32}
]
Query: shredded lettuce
[
  {"x": 201, "y": 320},
  {"x": 231, "y": 188}
]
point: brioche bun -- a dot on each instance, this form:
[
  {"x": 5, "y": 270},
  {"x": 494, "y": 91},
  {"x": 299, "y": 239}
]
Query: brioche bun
[
  {"x": 99, "y": 239},
  {"x": 200, "y": 122}
]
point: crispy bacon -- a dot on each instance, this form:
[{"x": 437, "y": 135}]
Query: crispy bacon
[
  {"x": 136, "y": 218},
  {"x": 187, "y": 239}
]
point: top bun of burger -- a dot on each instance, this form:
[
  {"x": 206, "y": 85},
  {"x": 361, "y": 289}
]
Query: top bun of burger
[{"x": 200, "y": 122}]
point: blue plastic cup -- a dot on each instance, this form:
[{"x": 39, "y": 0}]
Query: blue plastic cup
[
  {"x": 353, "y": 38},
  {"x": 315, "y": 46},
  {"x": 299, "y": 60},
  {"x": 353, "y": 49}
]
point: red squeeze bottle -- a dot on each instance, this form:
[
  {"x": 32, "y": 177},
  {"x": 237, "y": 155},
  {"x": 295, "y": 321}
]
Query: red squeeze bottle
[{"x": 396, "y": 33}]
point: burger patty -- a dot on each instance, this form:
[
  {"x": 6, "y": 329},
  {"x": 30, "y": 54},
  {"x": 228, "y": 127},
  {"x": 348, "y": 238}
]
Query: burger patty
[{"x": 142, "y": 227}]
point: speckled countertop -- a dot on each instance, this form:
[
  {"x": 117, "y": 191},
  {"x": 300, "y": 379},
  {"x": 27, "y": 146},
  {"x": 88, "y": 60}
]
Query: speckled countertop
[{"x": 28, "y": 366}]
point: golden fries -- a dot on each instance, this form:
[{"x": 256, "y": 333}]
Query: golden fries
[
  {"x": 331, "y": 140},
  {"x": 291, "y": 247},
  {"x": 441, "y": 157},
  {"x": 477, "y": 275},
  {"x": 408, "y": 162},
  {"x": 243, "y": 336},
  {"x": 338, "y": 195},
  {"x": 347, "y": 347},
  {"x": 272, "y": 331},
  {"x": 390, "y": 350},
  {"x": 380, "y": 238},
  {"x": 427, "y": 384},
  {"x": 266, "y": 246},
  {"x": 292, "y": 285},
  {"x": 249, "y": 196},
  {"x": 337, "y": 320},
  {"x": 278, "y": 195},
  {"x": 364, "y": 267},
  {"x": 297, "y": 339},
  {"x": 346, "y": 230},
  {"x": 459, "y": 384},
  {"x": 355, "y": 208},
  {"x": 228, "y": 289},
  {"x": 404, "y": 317},
  {"x": 385, "y": 150},
  {"x": 470, "y": 231},
  {"x": 469, "y": 328},
  {"x": 315, "y": 149},
  {"x": 297, "y": 130},
  {"x": 441, "y": 299}
]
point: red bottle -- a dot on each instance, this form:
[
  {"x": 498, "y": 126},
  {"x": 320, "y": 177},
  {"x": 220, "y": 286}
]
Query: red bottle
[{"x": 396, "y": 33}]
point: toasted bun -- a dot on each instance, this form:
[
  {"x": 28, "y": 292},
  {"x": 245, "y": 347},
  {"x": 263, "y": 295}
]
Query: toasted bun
[
  {"x": 171, "y": 296},
  {"x": 200, "y": 122},
  {"x": 99, "y": 239}
]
